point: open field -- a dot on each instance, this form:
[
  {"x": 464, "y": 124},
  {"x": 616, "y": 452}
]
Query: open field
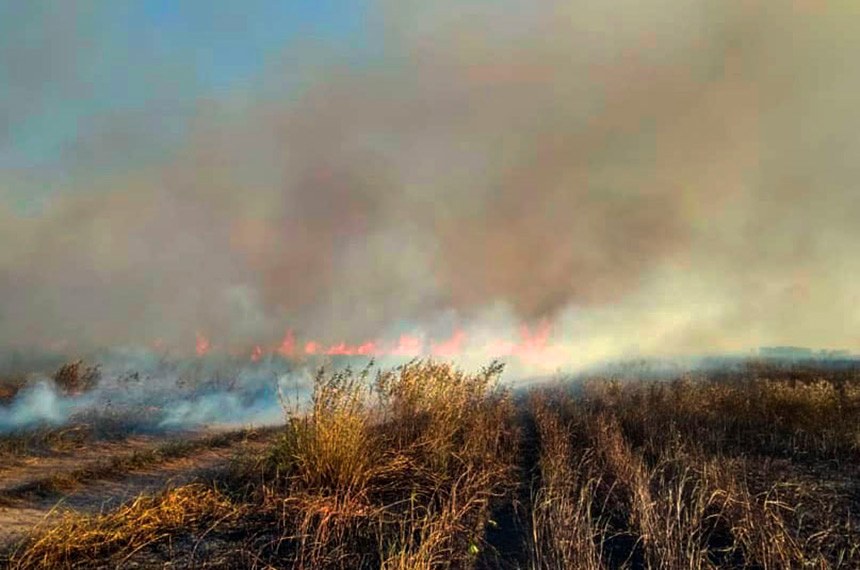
[{"x": 427, "y": 466}]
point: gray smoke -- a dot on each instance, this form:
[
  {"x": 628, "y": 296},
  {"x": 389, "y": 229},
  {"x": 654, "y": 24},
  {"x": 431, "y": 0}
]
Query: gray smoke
[
  {"x": 666, "y": 176},
  {"x": 144, "y": 393}
]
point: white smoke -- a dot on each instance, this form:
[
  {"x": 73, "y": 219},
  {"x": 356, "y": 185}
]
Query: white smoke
[
  {"x": 157, "y": 395},
  {"x": 38, "y": 404}
]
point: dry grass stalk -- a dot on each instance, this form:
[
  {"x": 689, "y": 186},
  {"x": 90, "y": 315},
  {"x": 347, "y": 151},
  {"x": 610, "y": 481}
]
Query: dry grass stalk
[
  {"x": 407, "y": 470},
  {"x": 84, "y": 541}
]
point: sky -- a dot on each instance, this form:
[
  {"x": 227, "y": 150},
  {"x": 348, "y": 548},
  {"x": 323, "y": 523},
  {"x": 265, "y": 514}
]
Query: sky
[
  {"x": 70, "y": 70},
  {"x": 645, "y": 178}
]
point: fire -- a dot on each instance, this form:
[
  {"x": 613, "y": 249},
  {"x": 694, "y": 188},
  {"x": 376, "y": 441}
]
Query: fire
[
  {"x": 450, "y": 347},
  {"x": 368, "y": 348},
  {"x": 532, "y": 345},
  {"x": 203, "y": 345},
  {"x": 344, "y": 349},
  {"x": 409, "y": 345},
  {"x": 288, "y": 346}
]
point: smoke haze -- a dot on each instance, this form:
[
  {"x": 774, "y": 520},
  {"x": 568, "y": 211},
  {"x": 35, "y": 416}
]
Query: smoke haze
[{"x": 666, "y": 177}]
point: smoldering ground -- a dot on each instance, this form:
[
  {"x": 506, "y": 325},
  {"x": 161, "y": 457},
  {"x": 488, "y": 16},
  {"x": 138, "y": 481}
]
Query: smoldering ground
[
  {"x": 666, "y": 177},
  {"x": 143, "y": 393}
]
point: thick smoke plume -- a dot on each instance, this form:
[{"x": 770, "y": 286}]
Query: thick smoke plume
[{"x": 667, "y": 176}]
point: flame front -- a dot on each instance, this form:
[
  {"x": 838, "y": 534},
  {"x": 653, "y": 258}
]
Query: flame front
[{"x": 533, "y": 346}]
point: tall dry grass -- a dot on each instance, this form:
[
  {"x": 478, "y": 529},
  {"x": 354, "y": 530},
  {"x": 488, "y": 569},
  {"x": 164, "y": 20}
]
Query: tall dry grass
[
  {"x": 398, "y": 471},
  {"x": 567, "y": 528},
  {"x": 427, "y": 466},
  {"x": 678, "y": 475}
]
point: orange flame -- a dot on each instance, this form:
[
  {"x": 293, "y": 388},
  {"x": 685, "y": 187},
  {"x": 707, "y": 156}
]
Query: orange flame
[
  {"x": 288, "y": 346},
  {"x": 343, "y": 349},
  {"x": 450, "y": 347},
  {"x": 203, "y": 345},
  {"x": 533, "y": 345},
  {"x": 408, "y": 345}
]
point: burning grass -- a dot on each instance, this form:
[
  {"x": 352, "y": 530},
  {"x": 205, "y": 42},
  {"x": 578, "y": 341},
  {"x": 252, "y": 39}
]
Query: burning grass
[{"x": 426, "y": 466}]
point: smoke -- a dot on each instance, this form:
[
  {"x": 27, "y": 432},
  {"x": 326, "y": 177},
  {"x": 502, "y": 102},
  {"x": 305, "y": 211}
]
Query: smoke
[
  {"x": 669, "y": 176},
  {"x": 38, "y": 404},
  {"x": 142, "y": 393}
]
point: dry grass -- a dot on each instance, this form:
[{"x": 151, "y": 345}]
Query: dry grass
[
  {"x": 397, "y": 473},
  {"x": 681, "y": 475},
  {"x": 567, "y": 527},
  {"x": 41, "y": 440},
  {"x": 72, "y": 378},
  {"x": 427, "y": 466},
  {"x": 76, "y": 377},
  {"x": 119, "y": 465},
  {"x": 10, "y": 385},
  {"x": 94, "y": 541}
]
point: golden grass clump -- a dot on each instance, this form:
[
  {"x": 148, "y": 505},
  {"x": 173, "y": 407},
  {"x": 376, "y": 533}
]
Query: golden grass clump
[
  {"x": 406, "y": 466},
  {"x": 331, "y": 446},
  {"x": 80, "y": 541}
]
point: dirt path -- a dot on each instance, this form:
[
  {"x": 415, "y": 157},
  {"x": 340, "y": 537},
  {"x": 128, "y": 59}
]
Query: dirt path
[
  {"x": 19, "y": 470},
  {"x": 98, "y": 482}
]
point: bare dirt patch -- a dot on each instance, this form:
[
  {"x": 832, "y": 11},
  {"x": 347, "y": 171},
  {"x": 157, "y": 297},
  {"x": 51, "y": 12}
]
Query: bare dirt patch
[
  {"x": 110, "y": 474},
  {"x": 18, "y": 471}
]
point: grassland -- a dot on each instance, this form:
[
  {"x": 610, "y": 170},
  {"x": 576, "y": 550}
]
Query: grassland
[{"x": 428, "y": 466}]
